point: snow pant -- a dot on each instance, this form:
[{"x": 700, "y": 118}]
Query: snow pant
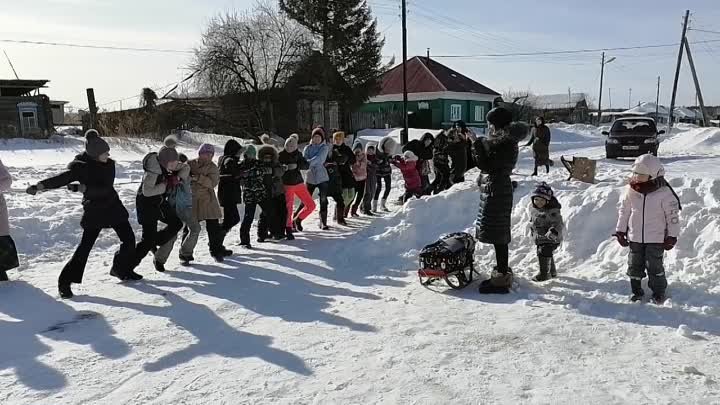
[
  {"x": 323, "y": 190},
  {"x": 152, "y": 238},
  {"x": 442, "y": 179},
  {"x": 191, "y": 233},
  {"x": 648, "y": 257},
  {"x": 547, "y": 250},
  {"x": 231, "y": 217},
  {"x": 163, "y": 252},
  {"x": 347, "y": 196},
  {"x": 300, "y": 191},
  {"x": 122, "y": 262},
  {"x": 359, "y": 194},
  {"x": 370, "y": 187},
  {"x": 388, "y": 184},
  {"x": 272, "y": 221},
  {"x": 249, "y": 217}
]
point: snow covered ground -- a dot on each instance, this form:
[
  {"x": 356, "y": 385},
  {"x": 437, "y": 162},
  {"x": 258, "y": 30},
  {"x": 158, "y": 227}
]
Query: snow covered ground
[{"x": 339, "y": 317}]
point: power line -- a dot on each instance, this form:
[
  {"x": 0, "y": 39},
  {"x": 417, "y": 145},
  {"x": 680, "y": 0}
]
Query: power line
[
  {"x": 114, "y": 48},
  {"x": 567, "y": 52},
  {"x": 706, "y": 31}
]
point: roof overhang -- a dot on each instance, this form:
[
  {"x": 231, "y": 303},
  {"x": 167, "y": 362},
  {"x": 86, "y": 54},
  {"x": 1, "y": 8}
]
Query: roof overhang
[
  {"x": 20, "y": 87},
  {"x": 448, "y": 95}
]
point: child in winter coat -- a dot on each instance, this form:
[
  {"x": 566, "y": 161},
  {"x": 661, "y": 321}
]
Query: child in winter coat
[
  {"x": 205, "y": 176},
  {"x": 272, "y": 221},
  {"x": 8, "y": 252},
  {"x": 102, "y": 209},
  {"x": 359, "y": 171},
  {"x": 152, "y": 203},
  {"x": 180, "y": 199},
  {"x": 229, "y": 189},
  {"x": 370, "y": 183},
  {"x": 317, "y": 177},
  {"x": 335, "y": 161},
  {"x": 546, "y": 228},
  {"x": 345, "y": 160},
  {"x": 441, "y": 164},
  {"x": 408, "y": 166},
  {"x": 255, "y": 192},
  {"x": 385, "y": 150},
  {"x": 295, "y": 186},
  {"x": 649, "y": 223}
]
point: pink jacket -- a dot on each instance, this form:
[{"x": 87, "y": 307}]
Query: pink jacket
[
  {"x": 649, "y": 218},
  {"x": 410, "y": 174},
  {"x": 359, "y": 168},
  {"x": 5, "y": 183}
]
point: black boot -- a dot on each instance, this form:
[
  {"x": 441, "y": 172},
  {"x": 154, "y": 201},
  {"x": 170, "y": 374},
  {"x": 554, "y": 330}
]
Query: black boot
[
  {"x": 3, "y": 276},
  {"x": 535, "y": 171},
  {"x": 159, "y": 266},
  {"x": 289, "y": 234},
  {"x": 553, "y": 270},
  {"x": 186, "y": 260},
  {"x": 129, "y": 276},
  {"x": 65, "y": 291},
  {"x": 298, "y": 224},
  {"x": 543, "y": 275},
  {"x": 637, "y": 290}
]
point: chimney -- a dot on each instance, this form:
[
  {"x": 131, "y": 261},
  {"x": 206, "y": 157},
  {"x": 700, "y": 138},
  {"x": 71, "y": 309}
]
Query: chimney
[{"x": 428, "y": 54}]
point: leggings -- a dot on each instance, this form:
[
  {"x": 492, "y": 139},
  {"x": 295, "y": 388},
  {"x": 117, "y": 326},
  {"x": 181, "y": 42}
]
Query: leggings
[
  {"x": 388, "y": 184},
  {"x": 359, "y": 193},
  {"x": 301, "y": 191}
]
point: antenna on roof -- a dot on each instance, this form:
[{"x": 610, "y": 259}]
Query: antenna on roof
[
  {"x": 428, "y": 54},
  {"x": 11, "y": 65}
]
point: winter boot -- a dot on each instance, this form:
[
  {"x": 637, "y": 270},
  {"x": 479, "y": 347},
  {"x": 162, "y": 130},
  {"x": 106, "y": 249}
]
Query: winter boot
[
  {"x": 159, "y": 266},
  {"x": 543, "y": 275},
  {"x": 336, "y": 216},
  {"x": 500, "y": 282},
  {"x": 374, "y": 206},
  {"x": 130, "y": 276},
  {"x": 534, "y": 173},
  {"x": 323, "y": 221},
  {"x": 383, "y": 206},
  {"x": 637, "y": 290},
  {"x": 298, "y": 224},
  {"x": 354, "y": 212},
  {"x": 289, "y": 234},
  {"x": 341, "y": 217},
  {"x": 65, "y": 291},
  {"x": 225, "y": 252},
  {"x": 260, "y": 239},
  {"x": 3, "y": 276},
  {"x": 553, "y": 270},
  {"x": 185, "y": 260},
  {"x": 658, "y": 299},
  {"x": 219, "y": 258}
]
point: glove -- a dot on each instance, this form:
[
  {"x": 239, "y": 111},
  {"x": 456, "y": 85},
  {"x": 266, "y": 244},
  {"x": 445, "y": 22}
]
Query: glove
[
  {"x": 670, "y": 242},
  {"x": 172, "y": 181},
  {"x": 32, "y": 190},
  {"x": 622, "y": 239},
  {"x": 552, "y": 234},
  {"x": 77, "y": 188},
  {"x": 291, "y": 166}
]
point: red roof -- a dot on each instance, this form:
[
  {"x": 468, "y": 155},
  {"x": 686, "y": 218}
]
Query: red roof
[{"x": 425, "y": 75}]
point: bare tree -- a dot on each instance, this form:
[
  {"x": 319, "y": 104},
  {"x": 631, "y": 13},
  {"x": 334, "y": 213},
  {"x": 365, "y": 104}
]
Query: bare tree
[
  {"x": 521, "y": 103},
  {"x": 148, "y": 99},
  {"x": 253, "y": 53}
]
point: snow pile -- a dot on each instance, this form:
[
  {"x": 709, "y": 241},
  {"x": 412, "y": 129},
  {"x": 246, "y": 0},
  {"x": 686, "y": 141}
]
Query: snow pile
[{"x": 700, "y": 141}]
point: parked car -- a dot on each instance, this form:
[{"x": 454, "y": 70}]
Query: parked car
[{"x": 632, "y": 137}]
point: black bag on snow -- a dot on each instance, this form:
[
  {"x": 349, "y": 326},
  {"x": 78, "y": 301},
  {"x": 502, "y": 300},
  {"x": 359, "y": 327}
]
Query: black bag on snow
[{"x": 451, "y": 258}]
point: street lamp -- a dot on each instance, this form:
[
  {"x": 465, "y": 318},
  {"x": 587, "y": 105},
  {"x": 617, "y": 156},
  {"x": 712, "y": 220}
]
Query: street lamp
[{"x": 602, "y": 75}]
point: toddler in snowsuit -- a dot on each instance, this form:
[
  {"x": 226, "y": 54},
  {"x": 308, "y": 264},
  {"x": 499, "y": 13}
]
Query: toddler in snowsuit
[
  {"x": 649, "y": 223},
  {"x": 255, "y": 192},
  {"x": 408, "y": 166},
  {"x": 272, "y": 222},
  {"x": 546, "y": 228},
  {"x": 370, "y": 183}
]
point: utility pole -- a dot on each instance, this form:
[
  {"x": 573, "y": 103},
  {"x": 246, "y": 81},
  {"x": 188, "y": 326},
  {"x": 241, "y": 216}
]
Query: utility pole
[
  {"x": 602, "y": 73},
  {"x": 93, "y": 108},
  {"x": 657, "y": 100},
  {"x": 630, "y": 99},
  {"x": 11, "y": 65},
  {"x": 677, "y": 71},
  {"x": 404, "y": 134},
  {"x": 610, "y": 96},
  {"x": 697, "y": 83}
]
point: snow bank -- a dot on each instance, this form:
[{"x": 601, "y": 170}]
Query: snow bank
[{"x": 690, "y": 139}]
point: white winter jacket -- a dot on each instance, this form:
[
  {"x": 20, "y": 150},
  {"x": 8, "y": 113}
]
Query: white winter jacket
[{"x": 649, "y": 218}]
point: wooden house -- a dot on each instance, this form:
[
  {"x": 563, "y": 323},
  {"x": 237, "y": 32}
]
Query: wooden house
[{"x": 24, "y": 111}]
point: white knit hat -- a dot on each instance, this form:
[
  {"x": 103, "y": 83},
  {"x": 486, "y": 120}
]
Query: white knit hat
[{"x": 649, "y": 165}]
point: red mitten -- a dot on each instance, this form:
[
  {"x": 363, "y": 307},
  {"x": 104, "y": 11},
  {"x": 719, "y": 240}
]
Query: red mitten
[
  {"x": 670, "y": 242},
  {"x": 173, "y": 181}
]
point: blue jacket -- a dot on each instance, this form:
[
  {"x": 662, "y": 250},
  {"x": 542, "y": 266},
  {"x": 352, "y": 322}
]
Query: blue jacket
[{"x": 316, "y": 156}]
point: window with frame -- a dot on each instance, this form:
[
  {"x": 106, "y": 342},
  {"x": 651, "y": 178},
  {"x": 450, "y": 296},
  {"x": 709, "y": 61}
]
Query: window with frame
[
  {"x": 455, "y": 112},
  {"x": 479, "y": 113},
  {"x": 29, "y": 120}
]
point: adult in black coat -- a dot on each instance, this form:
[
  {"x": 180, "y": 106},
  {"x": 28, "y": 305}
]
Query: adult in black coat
[
  {"x": 540, "y": 142},
  {"x": 294, "y": 162},
  {"x": 457, "y": 150},
  {"x": 229, "y": 190},
  {"x": 102, "y": 209},
  {"x": 496, "y": 156},
  {"x": 345, "y": 158}
]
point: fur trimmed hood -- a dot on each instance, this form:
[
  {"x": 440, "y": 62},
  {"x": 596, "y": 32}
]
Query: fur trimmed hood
[
  {"x": 387, "y": 145},
  {"x": 267, "y": 150}
]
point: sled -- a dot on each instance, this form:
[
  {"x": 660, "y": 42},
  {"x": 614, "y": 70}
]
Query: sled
[
  {"x": 449, "y": 259},
  {"x": 580, "y": 168}
]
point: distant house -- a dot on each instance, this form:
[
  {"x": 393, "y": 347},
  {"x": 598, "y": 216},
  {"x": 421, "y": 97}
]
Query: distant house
[
  {"x": 649, "y": 110},
  {"x": 58, "y": 111},
  {"x": 568, "y": 107},
  {"x": 437, "y": 97},
  {"x": 24, "y": 111}
]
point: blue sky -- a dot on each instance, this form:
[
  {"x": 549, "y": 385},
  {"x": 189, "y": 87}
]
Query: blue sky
[{"x": 449, "y": 27}]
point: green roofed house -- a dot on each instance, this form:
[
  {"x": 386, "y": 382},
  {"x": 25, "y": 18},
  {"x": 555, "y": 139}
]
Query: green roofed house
[{"x": 437, "y": 97}]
